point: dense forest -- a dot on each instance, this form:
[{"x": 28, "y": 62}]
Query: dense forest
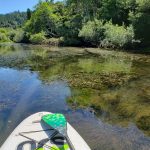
[
  {"x": 13, "y": 20},
  {"x": 122, "y": 24}
]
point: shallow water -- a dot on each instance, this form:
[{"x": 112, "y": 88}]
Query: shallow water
[{"x": 68, "y": 81}]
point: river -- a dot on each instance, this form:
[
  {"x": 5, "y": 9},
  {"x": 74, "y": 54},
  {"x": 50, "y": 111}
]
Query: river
[{"x": 105, "y": 95}]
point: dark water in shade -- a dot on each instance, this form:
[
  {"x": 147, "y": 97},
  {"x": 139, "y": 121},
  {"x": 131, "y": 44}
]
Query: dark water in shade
[{"x": 30, "y": 83}]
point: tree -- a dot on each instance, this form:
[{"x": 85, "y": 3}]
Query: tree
[
  {"x": 92, "y": 32},
  {"x": 44, "y": 18},
  {"x": 89, "y": 9},
  {"x": 69, "y": 25},
  {"x": 28, "y": 14},
  {"x": 84, "y": 21},
  {"x": 115, "y": 10},
  {"x": 13, "y": 20},
  {"x": 141, "y": 21}
]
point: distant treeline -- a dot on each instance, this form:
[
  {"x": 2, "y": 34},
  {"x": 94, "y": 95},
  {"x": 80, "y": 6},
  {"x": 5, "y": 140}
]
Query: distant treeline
[
  {"x": 122, "y": 24},
  {"x": 13, "y": 20}
]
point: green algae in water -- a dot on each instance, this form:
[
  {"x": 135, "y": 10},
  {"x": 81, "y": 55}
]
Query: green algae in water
[
  {"x": 121, "y": 108},
  {"x": 114, "y": 85},
  {"x": 107, "y": 65}
]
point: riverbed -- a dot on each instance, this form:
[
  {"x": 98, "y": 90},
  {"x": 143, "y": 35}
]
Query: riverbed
[{"x": 105, "y": 95}]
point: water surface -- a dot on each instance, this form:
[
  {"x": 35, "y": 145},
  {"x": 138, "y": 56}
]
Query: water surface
[{"x": 105, "y": 96}]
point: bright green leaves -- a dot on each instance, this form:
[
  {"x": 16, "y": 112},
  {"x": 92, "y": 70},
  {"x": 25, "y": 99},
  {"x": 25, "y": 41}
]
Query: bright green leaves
[{"x": 45, "y": 18}]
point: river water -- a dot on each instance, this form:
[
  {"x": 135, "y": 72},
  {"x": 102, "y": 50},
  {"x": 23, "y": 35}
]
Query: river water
[{"x": 104, "y": 95}]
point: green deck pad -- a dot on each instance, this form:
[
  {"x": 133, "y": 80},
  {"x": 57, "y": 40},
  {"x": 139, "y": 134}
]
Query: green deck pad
[
  {"x": 56, "y": 121},
  {"x": 64, "y": 147}
]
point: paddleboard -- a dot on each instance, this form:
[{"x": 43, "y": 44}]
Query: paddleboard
[{"x": 33, "y": 134}]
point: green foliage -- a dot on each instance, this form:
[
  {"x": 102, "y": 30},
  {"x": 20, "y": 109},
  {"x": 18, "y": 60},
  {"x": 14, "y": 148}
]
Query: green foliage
[
  {"x": 11, "y": 34},
  {"x": 38, "y": 38},
  {"x": 92, "y": 32},
  {"x": 107, "y": 35},
  {"x": 2, "y": 30},
  {"x": 118, "y": 12},
  {"x": 115, "y": 10},
  {"x": 12, "y": 20},
  {"x": 117, "y": 36},
  {"x": 3, "y": 37},
  {"x": 141, "y": 21},
  {"x": 28, "y": 14},
  {"x": 69, "y": 27},
  {"x": 105, "y": 23},
  {"x": 44, "y": 19},
  {"x": 20, "y": 36},
  {"x": 88, "y": 9},
  {"x": 143, "y": 5}
]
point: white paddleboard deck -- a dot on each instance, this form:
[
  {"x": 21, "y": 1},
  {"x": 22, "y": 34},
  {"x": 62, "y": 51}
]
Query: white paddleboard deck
[{"x": 31, "y": 134}]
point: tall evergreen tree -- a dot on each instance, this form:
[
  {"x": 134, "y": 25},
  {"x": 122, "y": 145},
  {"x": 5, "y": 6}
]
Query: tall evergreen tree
[{"x": 28, "y": 14}]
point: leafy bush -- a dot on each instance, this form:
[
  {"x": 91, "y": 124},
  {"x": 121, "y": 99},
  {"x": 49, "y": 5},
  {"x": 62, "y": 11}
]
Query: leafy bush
[
  {"x": 38, "y": 38},
  {"x": 107, "y": 35},
  {"x": 117, "y": 36},
  {"x": 20, "y": 36},
  {"x": 92, "y": 32},
  {"x": 2, "y": 30},
  {"x": 3, "y": 37},
  {"x": 11, "y": 35}
]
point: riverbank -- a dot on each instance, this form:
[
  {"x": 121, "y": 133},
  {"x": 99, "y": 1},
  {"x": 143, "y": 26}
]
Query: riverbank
[{"x": 58, "y": 42}]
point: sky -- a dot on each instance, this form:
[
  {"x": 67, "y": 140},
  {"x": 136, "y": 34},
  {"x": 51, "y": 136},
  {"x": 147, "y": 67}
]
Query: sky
[{"x": 7, "y": 6}]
